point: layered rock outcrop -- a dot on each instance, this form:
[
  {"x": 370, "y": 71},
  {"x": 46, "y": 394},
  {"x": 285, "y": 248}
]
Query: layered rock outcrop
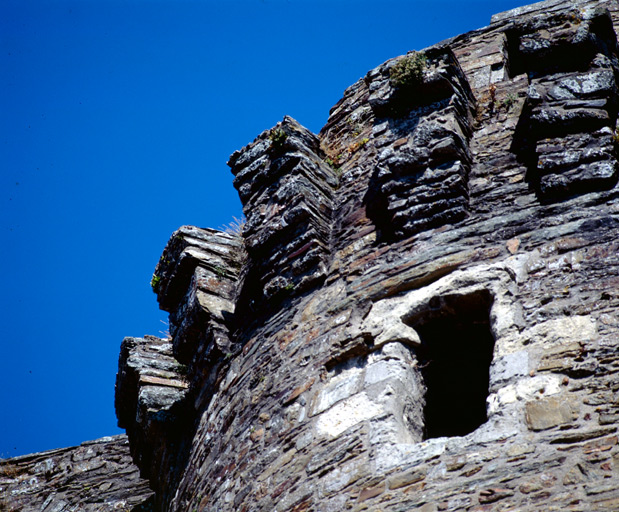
[{"x": 422, "y": 310}]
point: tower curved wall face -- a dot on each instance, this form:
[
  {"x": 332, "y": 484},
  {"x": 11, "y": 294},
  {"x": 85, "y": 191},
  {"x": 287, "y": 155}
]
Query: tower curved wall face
[{"x": 422, "y": 310}]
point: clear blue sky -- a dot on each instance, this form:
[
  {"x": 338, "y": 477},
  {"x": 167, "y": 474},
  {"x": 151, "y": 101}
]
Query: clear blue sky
[{"x": 118, "y": 119}]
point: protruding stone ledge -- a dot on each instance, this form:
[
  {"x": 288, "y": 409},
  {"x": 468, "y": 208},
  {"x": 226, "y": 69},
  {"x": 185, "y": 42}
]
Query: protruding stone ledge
[
  {"x": 189, "y": 247},
  {"x": 423, "y": 163},
  {"x": 442, "y": 77},
  {"x": 566, "y": 134},
  {"x": 562, "y": 40},
  {"x": 196, "y": 282},
  {"x": 287, "y": 193},
  {"x": 150, "y": 392}
]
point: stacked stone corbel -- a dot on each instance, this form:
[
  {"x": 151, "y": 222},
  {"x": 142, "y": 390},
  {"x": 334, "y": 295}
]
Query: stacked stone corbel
[
  {"x": 162, "y": 384},
  {"x": 150, "y": 388},
  {"x": 287, "y": 193},
  {"x": 195, "y": 281},
  {"x": 422, "y": 137},
  {"x": 569, "y": 123}
]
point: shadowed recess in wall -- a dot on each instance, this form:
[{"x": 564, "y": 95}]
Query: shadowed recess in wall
[{"x": 455, "y": 355}]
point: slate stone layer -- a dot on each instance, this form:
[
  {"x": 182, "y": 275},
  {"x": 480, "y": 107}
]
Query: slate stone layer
[
  {"x": 95, "y": 476},
  {"x": 454, "y": 237},
  {"x": 457, "y": 237}
]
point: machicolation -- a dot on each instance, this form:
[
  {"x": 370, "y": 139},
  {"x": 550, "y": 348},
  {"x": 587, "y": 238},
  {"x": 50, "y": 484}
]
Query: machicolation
[{"x": 421, "y": 312}]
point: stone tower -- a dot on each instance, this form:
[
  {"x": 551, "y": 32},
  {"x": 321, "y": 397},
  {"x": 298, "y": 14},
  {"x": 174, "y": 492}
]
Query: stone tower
[{"x": 422, "y": 310}]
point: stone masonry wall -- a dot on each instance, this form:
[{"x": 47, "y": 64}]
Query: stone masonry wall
[
  {"x": 422, "y": 313},
  {"x": 163, "y": 384},
  {"x": 95, "y": 476}
]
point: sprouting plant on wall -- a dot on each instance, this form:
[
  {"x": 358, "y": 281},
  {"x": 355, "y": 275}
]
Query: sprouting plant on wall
[
  {"x": 409, "y": 71},
  {"x": 509, "y": 101},
  {"x": 576, "y": 16},
  {"x": 334, "y": 163},
  {"x": 355, "y": 146},
  {"x": 492, "y": 101},
  {"x": 182, "y": 369},
  {"x": 234, "y": 227},
  {"x": 355, "y": 126},
  {"x": 155, "y": 282},
  {"x": 166, "y": 333},
  {"x": 6, "y": 469},
  {"x": 220, "y": 271},
  {"x": 278, "y": 137},
  {"x": 495, "y": 104}
]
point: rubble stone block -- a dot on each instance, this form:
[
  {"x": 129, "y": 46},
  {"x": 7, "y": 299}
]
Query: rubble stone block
[{"x": 550, "y": 412}]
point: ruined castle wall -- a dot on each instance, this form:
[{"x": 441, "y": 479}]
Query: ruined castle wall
[
  {"x": 95, "y": 476},
  {"x": 423, "y": 311}
]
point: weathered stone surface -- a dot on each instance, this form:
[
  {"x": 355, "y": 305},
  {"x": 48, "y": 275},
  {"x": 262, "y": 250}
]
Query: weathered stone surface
[
  {"x": 287, "y": 191},
  {"x": 151, "y": 404},
  {"x": 195, "y": 281},
  {"x": 571, "y": 107},
  {"x": 95, "y": 476},
  {"x": 549, "y": 412},
  {"x": 422, "y": 310},
  {"x": 421, "y": 176},
  {"x": 456, "y": 238}
]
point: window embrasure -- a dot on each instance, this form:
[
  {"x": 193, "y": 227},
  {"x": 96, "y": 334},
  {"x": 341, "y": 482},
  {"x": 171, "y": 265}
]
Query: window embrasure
[{"x": 454, "y": 359}]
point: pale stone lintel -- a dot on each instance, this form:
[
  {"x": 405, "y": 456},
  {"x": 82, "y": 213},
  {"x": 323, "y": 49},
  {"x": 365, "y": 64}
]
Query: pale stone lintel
[
  {"x": 158, "y": 381},
  {"x": 386, "y": 320}
]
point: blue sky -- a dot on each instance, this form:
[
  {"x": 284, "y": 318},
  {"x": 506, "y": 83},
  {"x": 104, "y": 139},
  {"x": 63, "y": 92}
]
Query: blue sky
[{"x": 118, "y": 119}]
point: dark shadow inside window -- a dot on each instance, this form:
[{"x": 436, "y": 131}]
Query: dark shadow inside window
[{"x": 455, "y": 355}]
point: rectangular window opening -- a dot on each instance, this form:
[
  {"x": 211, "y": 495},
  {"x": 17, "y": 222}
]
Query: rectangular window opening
[{"x": 455, "y": 355}]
